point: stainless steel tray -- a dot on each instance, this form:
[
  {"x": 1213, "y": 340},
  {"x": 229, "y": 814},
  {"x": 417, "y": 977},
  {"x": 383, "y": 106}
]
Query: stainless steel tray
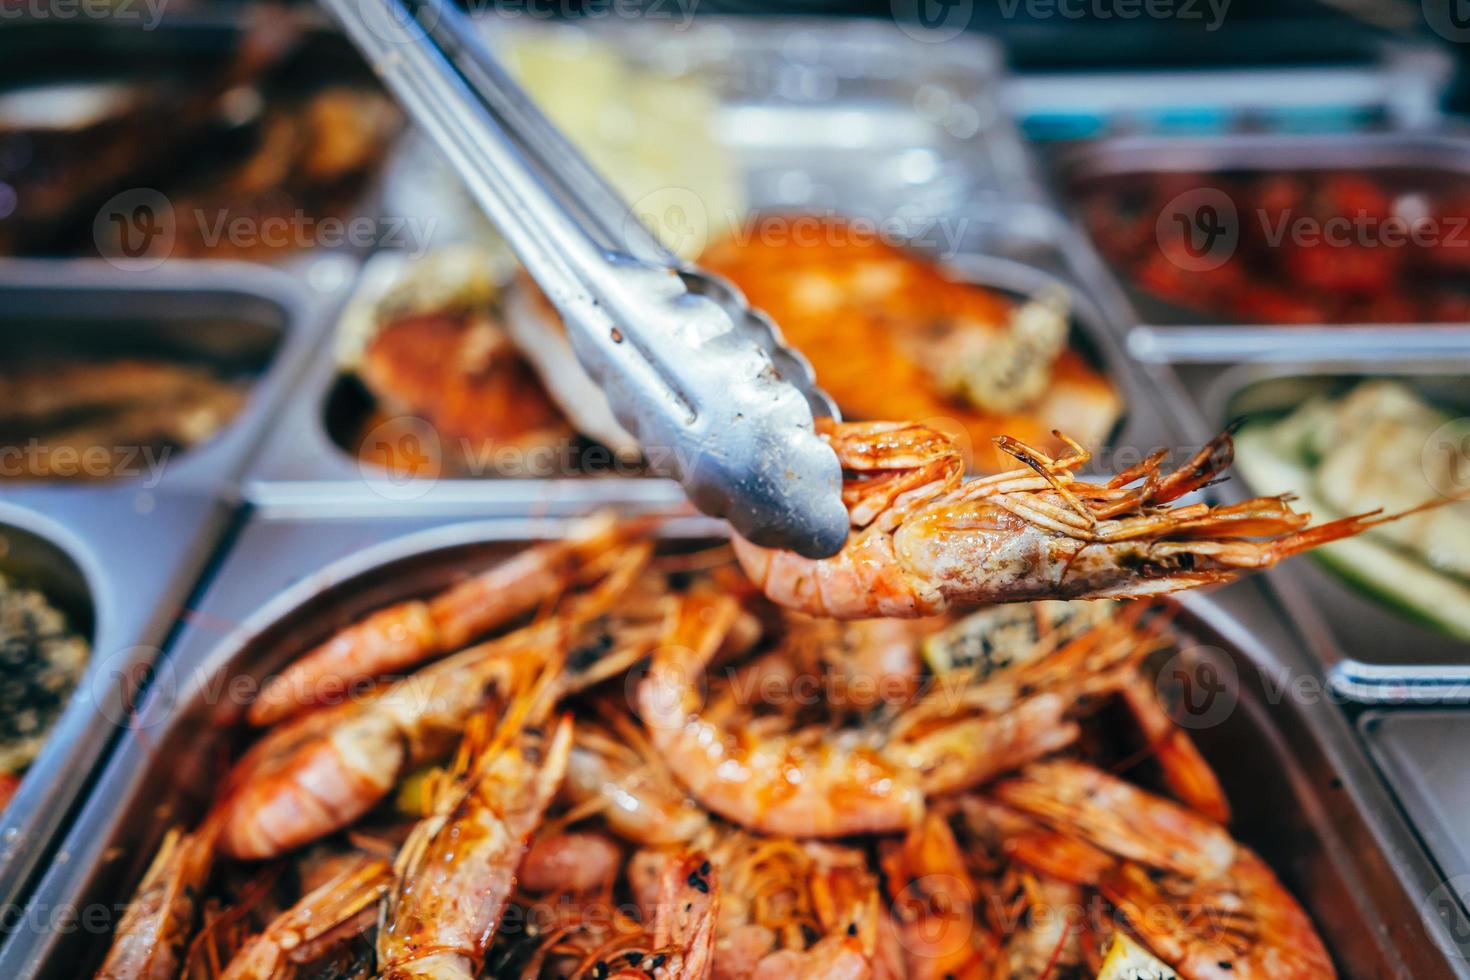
[
  {"x": 1164, "y": 333},
  {"x": 1371, "y": 653},
  {"x": 1304, "y": 794},
  {"x": 124, "y": 553},
  {"x": 255, "y": 321},
  {"x": 1421, "y": 755},
  {"x": 302, "y": 465},
  {"x": 121, "y": 565}
]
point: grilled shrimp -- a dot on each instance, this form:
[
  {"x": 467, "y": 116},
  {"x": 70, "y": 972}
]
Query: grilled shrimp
[
  {"x": 1185, "y": 771},
  {"x": 320, "y": 772},
  {"x": 408, "y": 633},
  {"x": 160, "y": 919},
  {"x": 338, "y": 910},
  {"x": 832, "y": 783},
  {"x": 934, "y": 902},
  {"x": 787, "y": 908},
  {"x": 1079, "y": 800},
  {"x": 1201, "y": 902},
  {"x": 922, "y": 538},
  {"x": 615, "y": 773},
  {"x": 570, "y": 862},
  {"x": 1241, "y": 925},
  {"x": 455, "y": 873},
  {"x": 672, "y": 940},
  {"x": 869, "y": 662}
]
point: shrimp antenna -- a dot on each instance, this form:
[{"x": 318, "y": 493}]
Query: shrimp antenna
[{"x": 1046, "y": 468}]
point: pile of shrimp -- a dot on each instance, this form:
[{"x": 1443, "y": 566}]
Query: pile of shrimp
[{"x": 602, "y": 759}]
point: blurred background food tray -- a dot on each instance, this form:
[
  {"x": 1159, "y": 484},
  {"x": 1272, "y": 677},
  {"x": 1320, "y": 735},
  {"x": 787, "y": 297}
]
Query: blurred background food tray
[
  {"x": 1249, "y": 244},
  {"x": 222, "y": 132}
]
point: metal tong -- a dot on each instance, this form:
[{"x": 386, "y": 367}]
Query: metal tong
[{"x": 704, "y": 383}]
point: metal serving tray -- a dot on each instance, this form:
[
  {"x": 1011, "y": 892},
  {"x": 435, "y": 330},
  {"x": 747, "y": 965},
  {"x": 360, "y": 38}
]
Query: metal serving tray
[
  {"x": 1304, "y": 794},
  {"x": 304, "y": 463},
  {"x": 254, "y": 321},
  {"x": 1421, "y": 755},
  {"x": 1166, "y": 333},
  {"x": 120, "y": 565},
  {"x": 124, "y": 553},
  {"x": 1372, "y": 653}
]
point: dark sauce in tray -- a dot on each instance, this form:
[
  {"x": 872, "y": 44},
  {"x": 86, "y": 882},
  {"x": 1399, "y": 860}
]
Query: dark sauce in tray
[{"x": 41, "y": 661}]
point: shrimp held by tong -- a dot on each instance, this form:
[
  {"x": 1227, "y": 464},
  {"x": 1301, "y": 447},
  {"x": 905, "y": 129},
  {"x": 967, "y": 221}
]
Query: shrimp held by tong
[{"x": 922, "y": 538}]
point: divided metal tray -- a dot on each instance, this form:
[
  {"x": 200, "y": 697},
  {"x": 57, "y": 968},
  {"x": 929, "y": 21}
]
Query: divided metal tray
[
  {"x": 1422, "y": 757},
  {"x": 1371, "y": 652},
  {"x": 825, "y": 115},
  {"x": 121, "y": 556},
  {"x": 92, "y": 99}
]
